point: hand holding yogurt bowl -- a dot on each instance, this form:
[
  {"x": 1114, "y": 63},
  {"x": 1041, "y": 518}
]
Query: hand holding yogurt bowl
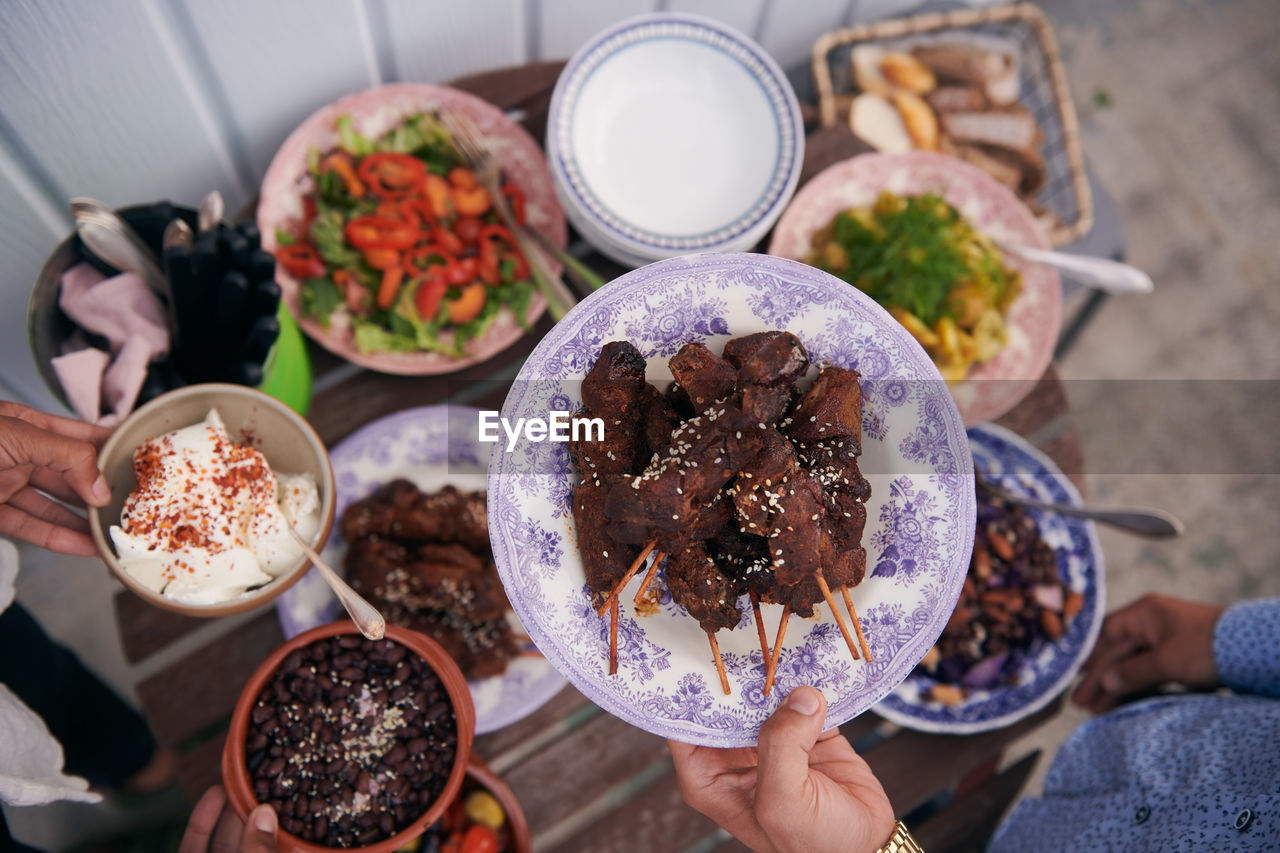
[{"x": 205, "y": 482}]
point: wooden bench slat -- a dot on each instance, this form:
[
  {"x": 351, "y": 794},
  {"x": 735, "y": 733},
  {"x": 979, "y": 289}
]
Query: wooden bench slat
[
  {"x": 562, "y": 779},
  {"x": 1044, "y": 403},
  {"x": 203, "y": 687},
  {"x": 969, "y": 822},
  {"x": 656, "y": 819},
  {"x": 496, "y": 747},
  {"x": 201, "y": 768},
  {"x": 914, "y": 766},
  {"x": 146, "y": 629}
]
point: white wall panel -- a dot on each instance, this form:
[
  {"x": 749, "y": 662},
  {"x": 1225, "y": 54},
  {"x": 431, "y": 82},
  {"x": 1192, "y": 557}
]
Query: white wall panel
[
  {"x": 792, "y": 26},
  {"x": 276, "y": 62},
  {"x": 740, "y": 14},
  {"x": 32, "y": 227},
  {"x": 435, "y": 42},
  {"x": 565, "y": 25},
  {"x": 92, "y": 88}
]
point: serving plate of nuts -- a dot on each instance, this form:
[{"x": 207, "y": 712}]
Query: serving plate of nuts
[{"x": 1028, "y": 613}]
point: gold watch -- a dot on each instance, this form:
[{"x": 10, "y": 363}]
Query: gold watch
[{"x": 900, "y": 842}]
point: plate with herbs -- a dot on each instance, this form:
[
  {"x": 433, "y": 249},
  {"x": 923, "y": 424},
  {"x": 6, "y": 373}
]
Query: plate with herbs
[
  {"x": 388, "y": 251},
  {"x": 917, "y": 233},
  {"x": 1030, "y": 608}
]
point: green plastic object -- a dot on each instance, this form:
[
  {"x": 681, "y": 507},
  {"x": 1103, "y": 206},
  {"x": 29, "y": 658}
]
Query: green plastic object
[{"x": 287, "y": 372}]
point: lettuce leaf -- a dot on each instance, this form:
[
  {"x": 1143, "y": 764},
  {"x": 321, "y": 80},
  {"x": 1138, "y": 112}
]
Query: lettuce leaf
[
  {"x": 320, "y": 297},
  {"x": 351, "y": 140}
]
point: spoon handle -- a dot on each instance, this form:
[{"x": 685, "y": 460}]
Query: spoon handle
[
  {"x": 1101, "y": 273},
  {"x": 367, "y": 618},
  {"x": 1152, "y": 523}
]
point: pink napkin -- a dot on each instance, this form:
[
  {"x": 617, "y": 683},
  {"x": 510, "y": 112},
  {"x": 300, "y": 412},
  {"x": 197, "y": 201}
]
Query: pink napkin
[{"x": 102, "y": 387}]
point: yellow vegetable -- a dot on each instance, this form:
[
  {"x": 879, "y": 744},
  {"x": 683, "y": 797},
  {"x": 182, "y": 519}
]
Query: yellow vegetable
[
  {"x": 483, "y": 808},
  {"x": 915, "y": 326}
]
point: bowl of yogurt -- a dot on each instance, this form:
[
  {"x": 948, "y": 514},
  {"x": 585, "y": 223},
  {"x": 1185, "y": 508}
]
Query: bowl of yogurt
[{"x": 205, "y": 483}]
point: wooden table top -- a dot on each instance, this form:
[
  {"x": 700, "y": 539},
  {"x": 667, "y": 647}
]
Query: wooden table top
[{"x": 585, "y": 779}]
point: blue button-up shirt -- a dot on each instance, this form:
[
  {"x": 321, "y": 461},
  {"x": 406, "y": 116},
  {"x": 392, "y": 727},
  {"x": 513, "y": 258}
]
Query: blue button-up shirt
[{"x": 1192, "y": 772}]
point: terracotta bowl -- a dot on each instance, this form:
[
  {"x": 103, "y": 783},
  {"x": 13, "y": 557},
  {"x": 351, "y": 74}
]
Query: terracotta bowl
[
  {"x": 484, "y": 777},
  {"x": 235, "y": 772},
  {"x": 289, "y": 443}
]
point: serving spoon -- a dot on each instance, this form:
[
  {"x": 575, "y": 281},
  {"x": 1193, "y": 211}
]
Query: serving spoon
[
  {"x": 367, "y": 618},
  {"x": 1143, "y": 521},
  {"x": 1100, "y": 273}
]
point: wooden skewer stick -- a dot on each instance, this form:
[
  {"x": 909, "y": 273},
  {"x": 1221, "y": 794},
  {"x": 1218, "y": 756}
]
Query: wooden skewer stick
[
  {"x": 613, "y": 638},
  {"x": 764, "y": 639},
  {"x": 648, "y": 579},
  {"x": 715, "y": 650},
  {"x": 857, "y": 626},
  {"x": 631, "y": 572},
  {"x": 831, "y": 602},
  {"x": 777, "y": 650}
]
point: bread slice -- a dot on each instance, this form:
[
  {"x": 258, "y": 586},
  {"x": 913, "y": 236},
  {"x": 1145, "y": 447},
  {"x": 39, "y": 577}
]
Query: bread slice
[
  {"x": 906, "y": 72},
  {"x": 962, "y": 63},
  {"x": 1011, "y": 127},
  {"x": 953, "y": 99},
  {"x": 921, "y": 123},
  {"x": 878, "y": 123},
  {"x": 867, "y": 76}
]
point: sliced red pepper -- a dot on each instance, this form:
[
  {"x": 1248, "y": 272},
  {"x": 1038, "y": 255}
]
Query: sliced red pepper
[
  {"x": 447, "y": 240},
  {"x": 427, "y": 299},
  {"x": 300, "y": 261},
  {"x": 308, "y": 213},
  {"x": 392, "y": 175},
  {"x": 463, "y": 178},
  {"x": 468, "y": 228},
  {"x": 419, "y": 260},
  {"x": 391, "y": 278},
  {"x": 373, "y": 232},
  {"x": 521, "y": 269},
  {"x": 516, "y": 197},
  {"x": 436, "y": 189},
  {"x": 471, "y": 202},
  {"x": 381, "y": 259},
  {"x": 491, "y": 254},
  {"x": 340, "y": 164}
]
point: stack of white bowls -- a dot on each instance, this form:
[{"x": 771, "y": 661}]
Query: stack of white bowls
[{"x": 671, "y": 134}]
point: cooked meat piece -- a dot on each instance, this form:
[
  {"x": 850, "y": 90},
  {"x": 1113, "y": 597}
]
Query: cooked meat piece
[
  {"x": 615, "y": 382},
  {"x": 449, "y": 577},
  {"x": 834, "y": 464},
  {"x": 802, "y": 596},
  {"x": 621, "y": 451},
  {"x": 700, "y": 588},
  {"x": 481, "y": 650},
  {"x": 680, "y": 402},
  {"x": 660, "y": 420},
  {"x": 372, "y": 563},
  {"x": 831, "y": 408},
  {"x": 1010, "y": 127},
  {"x": 755, "y": 488},
  {"x": 1008, "y": 174},
  {"x": 948, "y": 99},
  {"x": 705, "y": 377},
  {"x": 848, "y": 568},
  {"x": 798, "y": 539},
  {"x": 765, "y": 403},
  {"x": 744, "y": 559},
  {"x": 705, "y": 453},
  {"x": 605, "y": 560},
  {"x": 768, "y": 358},
  {"x": 398, "y": 510},
  {"x": 1028, "y": 162},
  {"x": 846, "y": 519}
]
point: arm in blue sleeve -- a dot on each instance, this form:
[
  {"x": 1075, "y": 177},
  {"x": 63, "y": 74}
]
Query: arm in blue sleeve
[{"x": 1246, "y": 647}]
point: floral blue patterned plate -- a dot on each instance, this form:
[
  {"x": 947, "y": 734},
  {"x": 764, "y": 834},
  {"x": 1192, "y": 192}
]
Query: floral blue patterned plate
[
  {"x": 432, "y": 446},
  {"x": 1009, "y": 461},
  {"x": 916, "y": 456}
]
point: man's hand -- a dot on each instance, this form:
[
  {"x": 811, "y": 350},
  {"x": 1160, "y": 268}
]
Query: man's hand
[
  {"x": 57, "y": 456},
  {"x": 802, "y": 789},
  {"x": 1153, "y": 641},
  {"x": 214, "y": 828}
]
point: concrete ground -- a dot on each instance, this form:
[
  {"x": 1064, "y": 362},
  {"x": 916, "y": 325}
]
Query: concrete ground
[{"x": 1180, "y": 108}]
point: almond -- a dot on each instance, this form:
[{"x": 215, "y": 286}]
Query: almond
[
  {"x": 947, "y": 694},
  {"x": 1051, "y": 624},
  {"x": 982, "y": 562},
  {"x": 1072, "y": 605},
  {"x": 1001, "y": 545}
]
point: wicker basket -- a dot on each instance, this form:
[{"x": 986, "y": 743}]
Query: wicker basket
[{"x": 1042, "y": 83}]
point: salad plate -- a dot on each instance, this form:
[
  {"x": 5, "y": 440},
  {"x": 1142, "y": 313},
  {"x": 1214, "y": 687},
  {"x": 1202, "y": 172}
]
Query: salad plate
[
  {"x": 432, "y": 446},
  {"x": 915, "y": 454},
  {"x": 371, "y": 114},
  {"x": 1009, "y": 461},
  {"x": 992, "y": 388}
]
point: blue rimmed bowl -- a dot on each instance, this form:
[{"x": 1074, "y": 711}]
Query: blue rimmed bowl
[
  {"x": 673, "y": 134},
  {"x": 1009, "y": 461}
]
